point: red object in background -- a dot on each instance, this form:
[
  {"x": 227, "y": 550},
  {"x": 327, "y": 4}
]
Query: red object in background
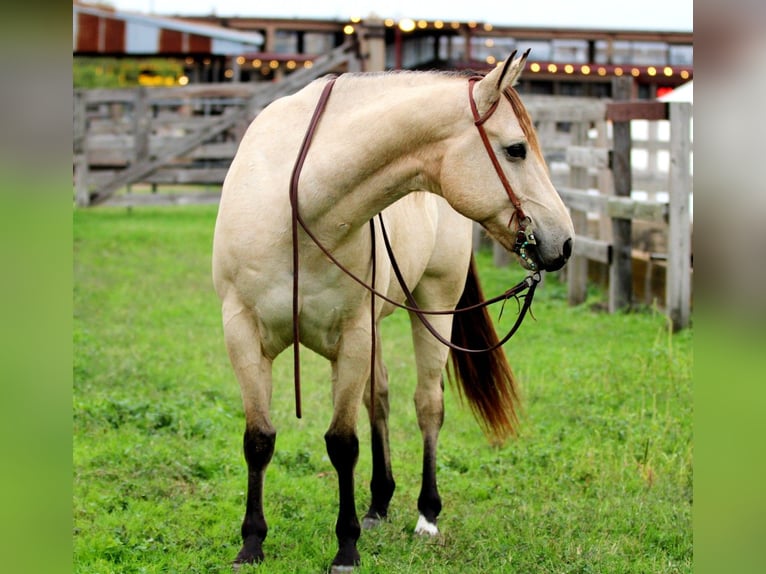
[{"x": 663, "y": 90}]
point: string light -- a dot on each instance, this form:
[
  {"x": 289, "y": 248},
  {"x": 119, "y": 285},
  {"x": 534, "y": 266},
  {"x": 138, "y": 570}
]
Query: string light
[{"x": 407, "y": 24}]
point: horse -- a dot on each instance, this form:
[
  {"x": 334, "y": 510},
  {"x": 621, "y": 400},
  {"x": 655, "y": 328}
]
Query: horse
[{"x": 428, "y": 153}]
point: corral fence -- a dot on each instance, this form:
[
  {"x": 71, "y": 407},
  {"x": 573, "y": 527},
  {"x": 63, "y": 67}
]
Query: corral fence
[
  {"x": 629, "y": 193},
  {"x": 173, "y": 136},
  {"x": 627, "y": 179}
]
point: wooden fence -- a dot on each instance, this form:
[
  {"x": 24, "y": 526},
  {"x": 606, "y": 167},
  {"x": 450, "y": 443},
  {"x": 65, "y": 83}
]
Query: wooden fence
[
  {"x": 634, "y": 223},
  {"x": 182, "y": 135},
  {"x": 188, "y": 135}
]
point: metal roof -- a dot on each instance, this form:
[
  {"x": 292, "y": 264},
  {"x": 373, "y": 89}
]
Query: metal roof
[{"x": 97, "y": 30}]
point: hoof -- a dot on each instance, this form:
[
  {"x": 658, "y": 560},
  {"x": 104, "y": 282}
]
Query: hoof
[
  {"x": 250, "y": 553},
  {"x": 370, "y": 522},
  {"x": 347, "y": 558},
  {"x": 426, "y": 528}
]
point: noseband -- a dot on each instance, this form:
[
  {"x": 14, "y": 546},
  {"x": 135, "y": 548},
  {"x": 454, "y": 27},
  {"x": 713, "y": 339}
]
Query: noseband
[{"x": 524, "y": 238}]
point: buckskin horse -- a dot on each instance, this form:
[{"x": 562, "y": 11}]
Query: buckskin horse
[{"x": 296, "y": 260}]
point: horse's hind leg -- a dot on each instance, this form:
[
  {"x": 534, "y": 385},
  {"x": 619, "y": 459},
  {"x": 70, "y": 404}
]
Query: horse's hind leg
[
  {"x": 382, "y": 484},
  {"x": 431, "y": 356},
  {"x": 253, "y": 372}
]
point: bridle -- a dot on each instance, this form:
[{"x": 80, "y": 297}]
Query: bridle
[
  {"x": 524, "y": 239},
  {"x": 524, "y": 236}
]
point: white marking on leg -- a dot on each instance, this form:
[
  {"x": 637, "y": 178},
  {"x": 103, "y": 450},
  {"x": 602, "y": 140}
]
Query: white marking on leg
[{"x": 425, "y": 527}]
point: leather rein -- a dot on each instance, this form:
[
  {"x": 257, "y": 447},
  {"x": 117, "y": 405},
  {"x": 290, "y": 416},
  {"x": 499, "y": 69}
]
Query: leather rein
[{"x": 524, "y": 239}]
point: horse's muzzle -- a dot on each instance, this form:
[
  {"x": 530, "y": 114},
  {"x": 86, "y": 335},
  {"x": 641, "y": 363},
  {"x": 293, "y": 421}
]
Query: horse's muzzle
[{"x": 558, "y": 262}]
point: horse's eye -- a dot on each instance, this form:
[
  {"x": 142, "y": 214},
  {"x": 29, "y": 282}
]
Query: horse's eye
[{"x": 516, "y": 151}]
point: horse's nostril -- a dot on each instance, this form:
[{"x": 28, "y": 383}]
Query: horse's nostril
[{"x": 568, "y": 248}]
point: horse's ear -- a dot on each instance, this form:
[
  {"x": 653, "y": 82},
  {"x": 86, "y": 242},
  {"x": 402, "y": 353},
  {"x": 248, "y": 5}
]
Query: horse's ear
[{"x": 505, "y": 75}]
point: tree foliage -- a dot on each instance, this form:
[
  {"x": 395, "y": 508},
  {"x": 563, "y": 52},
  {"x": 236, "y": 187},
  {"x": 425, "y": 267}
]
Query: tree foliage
[{"x": 125, "y": 72}]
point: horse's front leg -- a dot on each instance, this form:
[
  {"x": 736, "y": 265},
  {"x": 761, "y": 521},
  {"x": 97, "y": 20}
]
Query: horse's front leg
[
  {"x": 382, "y": 484},
  {"x": 350, "y": 372},
  {"x": 253, "y": 372}
]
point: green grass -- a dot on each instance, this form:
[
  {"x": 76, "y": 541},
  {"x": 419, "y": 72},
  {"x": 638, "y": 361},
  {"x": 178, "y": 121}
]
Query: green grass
[{"x": 600, "y": 479}]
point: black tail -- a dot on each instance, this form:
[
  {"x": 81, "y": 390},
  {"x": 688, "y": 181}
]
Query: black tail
[{"x": 486, "y": 379}]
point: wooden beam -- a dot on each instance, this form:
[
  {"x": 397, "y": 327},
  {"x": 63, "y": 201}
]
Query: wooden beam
[
  {"x": 594, "y": 249},
  {"x": 191, "y": 198},
  {"x": 626, "y": 208},
  {"x": 636, "y": 110},
  {"x": 588, "y": 157},
  {"x": 582, "y": 200}
]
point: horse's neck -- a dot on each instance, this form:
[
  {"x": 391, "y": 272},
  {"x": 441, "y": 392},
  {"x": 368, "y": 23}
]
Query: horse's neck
[{"x": 376, "y": 147}]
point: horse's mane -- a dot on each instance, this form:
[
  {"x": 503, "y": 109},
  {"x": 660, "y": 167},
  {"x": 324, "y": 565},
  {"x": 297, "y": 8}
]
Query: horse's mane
[{"x": 525, "y": 121}]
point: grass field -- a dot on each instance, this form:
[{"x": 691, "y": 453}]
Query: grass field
[{"x": 600, "y": 479}]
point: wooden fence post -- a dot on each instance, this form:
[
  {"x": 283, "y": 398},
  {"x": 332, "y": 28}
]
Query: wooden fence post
[
  {"x": 621, "y": 269},
  {"x": 373, "y": 38},
  {"x": 678, "y": 276},
  {"x": 80, "y": 151},
  {"x": 141, "y": 126},
  {"x": 577, "y": 268}
]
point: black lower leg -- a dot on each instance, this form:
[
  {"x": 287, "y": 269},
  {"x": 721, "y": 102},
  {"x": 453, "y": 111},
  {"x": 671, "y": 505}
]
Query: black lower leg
[
  {"x": 259, "y": 448},
  {"x": 382, "y": 484},
  {"x": 429, "y": 501},
  {"x": 343, "y": 450}
]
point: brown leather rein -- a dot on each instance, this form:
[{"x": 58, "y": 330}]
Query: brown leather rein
[{"x": 523, "y": 240}]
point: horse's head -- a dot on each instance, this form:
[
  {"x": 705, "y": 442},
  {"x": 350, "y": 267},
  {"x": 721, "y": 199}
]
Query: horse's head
[{"x": 494, "y": 173}]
